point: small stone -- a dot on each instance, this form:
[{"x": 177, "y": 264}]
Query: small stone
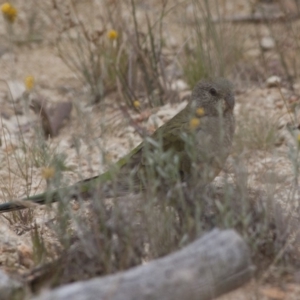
[
  {"x": 154, "y": 121},
  {"x": 281, "y": 124},
  {"x": 296, "y": 86},
  {"x": 179, "y": 85},
  {"x": 173, "y": 43},
  {"x": 273, "y": 81},
  {"x": 25, "y": 256},
  {"x": 293, "y": 99},
  {"x": 267, "y": 43},
  {"x": 17, "y": 88}
]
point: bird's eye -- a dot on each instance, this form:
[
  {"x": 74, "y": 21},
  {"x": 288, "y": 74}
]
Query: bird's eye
[{"x": 213, "y": 91}]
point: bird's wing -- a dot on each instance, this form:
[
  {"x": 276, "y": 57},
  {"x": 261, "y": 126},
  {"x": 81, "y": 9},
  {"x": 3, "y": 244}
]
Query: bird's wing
[
  {"x": 188, "y": 143},
  {"x": 170, "y": 134},
  {"x": 171, "y": 137}
]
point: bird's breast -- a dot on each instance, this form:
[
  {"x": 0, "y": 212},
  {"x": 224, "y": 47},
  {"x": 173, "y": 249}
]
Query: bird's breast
[{"x": 214, "y": 139}]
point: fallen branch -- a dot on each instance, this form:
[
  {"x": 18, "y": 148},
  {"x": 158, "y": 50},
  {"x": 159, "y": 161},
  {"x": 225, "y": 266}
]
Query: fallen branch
[
  {"x": 215, "y": 264},
  {"x": 254, "y": 18},
  {"x": 259, "y": 18}
]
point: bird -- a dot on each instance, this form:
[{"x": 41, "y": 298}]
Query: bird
[{"x": 198, "y": 138}]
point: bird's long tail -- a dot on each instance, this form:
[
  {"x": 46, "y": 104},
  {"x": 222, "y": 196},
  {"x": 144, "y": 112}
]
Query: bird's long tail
[
  {"x": 25, "y": 203},
  {"x": 79, "y": 189}
]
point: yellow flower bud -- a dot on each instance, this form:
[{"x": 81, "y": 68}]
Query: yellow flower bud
[
  {"x": 136, "y": 104},
  {"x": 112, "y": 34},
  {"x": 9, "y": 12},
  {"x": 194, "y": 123},
  {"x": 5, "y": 8},
  {"x": 29, "y": 82},
  {"x": 48, "y": 172},
  {"x": 200, "y": 111}
]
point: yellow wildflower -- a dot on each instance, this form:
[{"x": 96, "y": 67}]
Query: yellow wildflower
[
  {"x": 9, "y": 12},
  {"x": 194, "y": 123},
  {"x": 29, "y": 82},
  {"x": 112, "y": 34},
  {"x": 48, "y": 172},
  {"x": 200, "y": 111},
  {"x": 298, "y": 138},
  {"x": 136, "y": 104}
]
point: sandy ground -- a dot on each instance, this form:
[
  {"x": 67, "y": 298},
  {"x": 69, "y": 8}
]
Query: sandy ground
[{"x": 55, "y": 82}]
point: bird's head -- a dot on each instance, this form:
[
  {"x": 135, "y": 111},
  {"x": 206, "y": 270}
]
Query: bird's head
[{"x": 214, "y": 96}]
